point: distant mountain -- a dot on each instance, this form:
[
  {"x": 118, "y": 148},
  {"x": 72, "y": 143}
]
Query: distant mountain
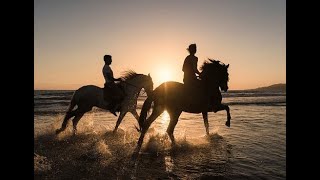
[{"x": 274, "y": 87}]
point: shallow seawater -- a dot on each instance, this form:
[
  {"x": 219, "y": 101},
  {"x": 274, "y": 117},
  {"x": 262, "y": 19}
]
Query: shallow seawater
[{"x": 254, "y": 147}]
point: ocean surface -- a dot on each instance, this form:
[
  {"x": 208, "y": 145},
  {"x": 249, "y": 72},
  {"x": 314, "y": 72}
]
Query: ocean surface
[{"x": 254, "y": 147}]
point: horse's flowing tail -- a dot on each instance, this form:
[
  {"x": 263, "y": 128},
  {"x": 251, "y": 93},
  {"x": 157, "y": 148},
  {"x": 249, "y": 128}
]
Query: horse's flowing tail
[
  {"x": 72, "y": 103},
  {"x": 145, "y": 108}
]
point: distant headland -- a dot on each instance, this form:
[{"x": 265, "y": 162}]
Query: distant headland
[{"x": 275, "y": 87}]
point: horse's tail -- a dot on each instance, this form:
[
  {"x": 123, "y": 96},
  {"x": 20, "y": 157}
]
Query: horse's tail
[
  {"x": 72, "y": 103},
  {"x": 145, "y": 108}
]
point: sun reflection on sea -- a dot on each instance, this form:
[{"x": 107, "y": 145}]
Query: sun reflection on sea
[{"x": 165, "y": 119}]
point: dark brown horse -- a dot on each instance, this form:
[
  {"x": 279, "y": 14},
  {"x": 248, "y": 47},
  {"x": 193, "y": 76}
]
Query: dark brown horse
[{"x": 176, "y": 98}]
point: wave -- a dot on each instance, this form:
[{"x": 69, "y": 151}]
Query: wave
[
  {"x": 280, "y": 103},
  {"x": 61, "y": 107},
  {"x": 252, "y": 94},
  {"x": 58, "y": 99},
  {"x": 53, "y": 101},
  {"x": 44, "y": 103},
  {"x": 53, "y": 92},
  {"x": 232, "y": 93}
]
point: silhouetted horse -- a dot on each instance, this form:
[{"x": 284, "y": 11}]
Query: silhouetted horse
[
  {"x": 176, "y": 97},
  {"x": 88, "y": 96}
]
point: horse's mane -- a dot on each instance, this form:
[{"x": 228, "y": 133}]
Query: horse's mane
[
  {"x": 213, "y": 64},
  {"x": 126, "y": 75}
]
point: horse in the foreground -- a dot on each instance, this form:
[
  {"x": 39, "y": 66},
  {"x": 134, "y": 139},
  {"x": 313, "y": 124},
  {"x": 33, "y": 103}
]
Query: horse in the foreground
[
  {"x": 89, "y": 96},
  {"x": 175, "y": 97}
]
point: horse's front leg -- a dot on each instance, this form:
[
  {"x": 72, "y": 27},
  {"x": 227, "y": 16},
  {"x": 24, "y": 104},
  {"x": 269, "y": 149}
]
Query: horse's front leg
[
  {"x": 226, "y": 107},
  {"x": 121, "y": 116},
  {"x": 223, "y": 107},
  {"x": 205, "y": 120},
  {"x": 135, "y": 114}
]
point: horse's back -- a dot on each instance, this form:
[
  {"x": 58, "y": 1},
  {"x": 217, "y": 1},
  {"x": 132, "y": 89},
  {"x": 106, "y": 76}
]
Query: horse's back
[
  {"x": 169, "y": 85},
  {"x": 177, "y": 95},
  {"x": 89, "y": 92},
  {"x": 89, "y": 88},
  {"x": 169, "y": 89}
]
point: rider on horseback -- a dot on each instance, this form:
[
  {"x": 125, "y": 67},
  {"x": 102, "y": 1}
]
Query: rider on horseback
[
  {"x": 190, "y": 67},
  {"x": 190, "y": 78},
  {"x": 112, "y": 93}
]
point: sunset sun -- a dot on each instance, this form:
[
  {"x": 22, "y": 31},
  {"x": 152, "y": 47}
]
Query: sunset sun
[{"x": 163, "y": 75}]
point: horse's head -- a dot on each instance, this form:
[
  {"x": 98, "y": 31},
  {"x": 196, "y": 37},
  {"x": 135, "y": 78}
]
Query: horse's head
[
  {"x": 148, "y": 85},
  {"x": 224, "y": 78},
  {"x": 216, "y": 74},
  {"x": 138, "y": 80}
]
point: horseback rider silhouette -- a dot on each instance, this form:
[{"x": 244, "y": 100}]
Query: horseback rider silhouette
[
  {"x": 190, "y": 67},
  {"x": 191, "y": 80},
  {"x": 112, "y": 93}
]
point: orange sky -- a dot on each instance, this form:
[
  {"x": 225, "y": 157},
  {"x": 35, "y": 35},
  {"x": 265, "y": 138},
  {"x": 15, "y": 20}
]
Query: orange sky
[{"x": 71, "y": 39}]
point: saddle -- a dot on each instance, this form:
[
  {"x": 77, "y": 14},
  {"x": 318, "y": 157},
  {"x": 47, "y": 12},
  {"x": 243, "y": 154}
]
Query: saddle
[
  {"x": 192, "y": 85},
  {"x": 114, "y": 92}
]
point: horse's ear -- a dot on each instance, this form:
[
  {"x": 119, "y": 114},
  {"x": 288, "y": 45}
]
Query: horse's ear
[
  {"x": 227, "y": 66},
  {"x": 149, "y": 74}
]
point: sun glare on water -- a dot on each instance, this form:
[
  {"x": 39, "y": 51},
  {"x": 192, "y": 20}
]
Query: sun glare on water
[{"x": 165, "y": 119}]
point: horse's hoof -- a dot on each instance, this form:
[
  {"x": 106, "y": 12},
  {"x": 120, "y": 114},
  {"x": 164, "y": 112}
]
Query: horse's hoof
[
  {"x": 134, "y": 157},
  {"x": 228, "y": 123},
  {"x": 74, "y": 133},
  {"x": 173, "y": 144},
  {"x": 132, "y": 163},
  {"x": 138, "y": 129}
]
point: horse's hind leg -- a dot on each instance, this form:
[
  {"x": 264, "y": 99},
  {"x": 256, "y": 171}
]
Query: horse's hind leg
[
  {"x": 174, "y": 116},
  {"x": 75, "y": 121},
  {"x": 205, "y": 120},
  {"x": 155, "y": 113},
  {"x": 121, "y": 116},
  {"x": 68, "y": 115},
  {"x": 79, "y": 113}
]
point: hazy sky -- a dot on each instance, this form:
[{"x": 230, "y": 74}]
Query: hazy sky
[{"x": 72, "y": 36}]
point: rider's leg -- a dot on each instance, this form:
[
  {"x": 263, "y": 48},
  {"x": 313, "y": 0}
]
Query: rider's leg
[
  {"x": 113, "y": 107},
  {"x": 108, "y": 96},
  {"x": 115, "y": 103}
]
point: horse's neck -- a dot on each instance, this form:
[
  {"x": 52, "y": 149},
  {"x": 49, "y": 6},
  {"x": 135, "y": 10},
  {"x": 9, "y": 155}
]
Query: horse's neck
[
  {"x": 207, "y": 89},
  {"x": 133, "y": 85}
]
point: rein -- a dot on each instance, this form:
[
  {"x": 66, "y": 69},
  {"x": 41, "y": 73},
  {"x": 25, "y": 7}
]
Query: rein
[{"x": 131, "y": 84}]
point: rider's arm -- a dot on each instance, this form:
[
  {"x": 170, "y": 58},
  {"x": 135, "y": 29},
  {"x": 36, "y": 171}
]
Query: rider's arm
[
  {"x": 195, "y": 68},
  {"x": 109, "y": 76}
]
